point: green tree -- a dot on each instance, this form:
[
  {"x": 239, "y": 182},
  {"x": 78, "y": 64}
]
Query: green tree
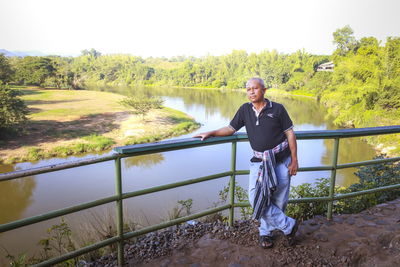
[
  {"x": 344, "y": 40},
  {"x": 33, "y": 70},
  {"x": 141, "y": 105},
  {"x": 92, "y": 52},
  {"x": 13, "y": 110},
  {"x": 6, "y": 71}
]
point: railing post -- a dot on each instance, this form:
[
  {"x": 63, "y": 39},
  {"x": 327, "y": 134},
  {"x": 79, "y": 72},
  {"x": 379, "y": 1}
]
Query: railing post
[
  {"x": 119, "y": 215},
  {"x": 333, "y": 177},
  {"x": 232, "y": 184}
]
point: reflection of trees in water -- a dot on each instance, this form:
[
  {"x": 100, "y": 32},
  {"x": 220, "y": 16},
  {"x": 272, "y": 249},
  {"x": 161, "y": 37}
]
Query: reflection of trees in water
[
  {"x": 350, "y": 150},
  {"x": 302, "y": 110},
  {"x": 15, "y": 196},
  {"x": 144, "y": 160}
]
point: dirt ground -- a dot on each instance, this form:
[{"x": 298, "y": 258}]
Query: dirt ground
[
  {"x": 61, "y": 118},
  {"x": 370, "y": 238}
]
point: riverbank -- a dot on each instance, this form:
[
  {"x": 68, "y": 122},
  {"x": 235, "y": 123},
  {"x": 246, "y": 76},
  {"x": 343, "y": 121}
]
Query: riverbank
[{"x": 71, "y": 122}]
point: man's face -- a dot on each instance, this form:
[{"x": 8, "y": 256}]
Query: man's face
[{"x": 255, "y": 92}]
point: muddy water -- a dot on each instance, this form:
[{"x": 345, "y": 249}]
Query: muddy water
[{"x": 38, "y": 194}]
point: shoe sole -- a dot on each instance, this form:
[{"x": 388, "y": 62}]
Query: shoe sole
[
  {"x": 267, "y": 247},
  {"x": 290, "y": 238}
]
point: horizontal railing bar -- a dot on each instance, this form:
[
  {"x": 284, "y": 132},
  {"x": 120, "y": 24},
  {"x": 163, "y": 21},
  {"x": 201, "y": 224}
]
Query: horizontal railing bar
[
  {"x": 175, "y": 221},
  {"x": 316, "y": 168},
  {"x": 196, "y": 142},
  {"x": 54, "y": 167},
  {"x": 57, "y": 213},
  {"x": 336, "y": 197},
  {"x": 339, "y": 166},
  {"x": 242, "y": 172},
  {"x": 78, "y": 252},
  {"x": 174, "y": 185},
  {"x": 367, "y": 162},
  {"x": 346, "y": 133},
  {"x": 169, "y": 145},
  {"x": 292, "y": 200},
  {"x": 368, "y": 191},
  {"x": 302, "y": 169},
  {"x": 178, "y": 144}
]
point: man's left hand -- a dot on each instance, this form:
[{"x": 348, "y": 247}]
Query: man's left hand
[{"x": 293, "y": 166}]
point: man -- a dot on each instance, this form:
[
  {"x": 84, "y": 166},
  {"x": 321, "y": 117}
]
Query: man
[{"x": 271, "y": 136}]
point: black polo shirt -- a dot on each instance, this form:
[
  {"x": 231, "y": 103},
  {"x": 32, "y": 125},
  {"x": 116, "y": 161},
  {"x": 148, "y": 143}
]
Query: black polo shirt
[{"x": 266, "y": 131}]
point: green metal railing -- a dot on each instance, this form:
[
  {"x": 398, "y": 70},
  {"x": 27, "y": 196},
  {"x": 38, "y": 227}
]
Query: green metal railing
[{"x": 135, "y": 150}]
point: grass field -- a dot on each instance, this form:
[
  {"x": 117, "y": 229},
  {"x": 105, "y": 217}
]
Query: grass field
[{"x": 70, "y": 122}]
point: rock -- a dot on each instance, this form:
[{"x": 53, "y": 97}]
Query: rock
[
  {"x": 385, "y": 238},
  {"x": 82, "y": 263},
  {"x": 393, "y": 227},
  {"x": 165, "y": 263},
  {"x": 338, "y": 219},
  {"x": 381, "y": 222},
  {"x": 387, "y": 206},
  {"x": 312, "y": 222},
  {"x": 320, "y": 218},
  {"x": 367, "y": 224},
  {"x": 215, "y": 229},
  {"x": 353, "y": 244},
  {"x": 360, "y": 233},
  {"x": 309, "y": 229},
  {"x": 351, "y": 220},
  {"x": 359, "y": 255},
  {"x": 244, "y": 259},
  {"x": 329, "y": 223},
  {"x": 181, "y": 261},
  {"x": 395, "y": 243},
  {"x": 321, "y": 237},
  {"x": 235, "y": 265},
  {"x": 367, "y": 217}
]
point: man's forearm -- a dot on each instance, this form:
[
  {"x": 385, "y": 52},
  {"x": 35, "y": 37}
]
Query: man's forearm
[
  {"x": 292, "y": 144},
  {"x": 224, "y": 131}
]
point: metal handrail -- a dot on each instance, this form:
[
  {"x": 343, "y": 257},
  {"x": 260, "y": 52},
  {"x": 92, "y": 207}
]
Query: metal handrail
[{"x": 142, "y": 149}]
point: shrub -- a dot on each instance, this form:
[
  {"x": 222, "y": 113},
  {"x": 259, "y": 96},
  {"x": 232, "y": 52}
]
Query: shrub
[
  {"x": 371, "y": 176},
  {"x": 142, "y": 105},
  {"x": 13, "y": 110}
]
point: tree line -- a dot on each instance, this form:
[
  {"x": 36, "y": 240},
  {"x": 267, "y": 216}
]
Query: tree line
[{"x": 227, "y": 71}]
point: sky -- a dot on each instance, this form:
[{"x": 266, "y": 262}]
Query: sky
[{"x": 189, "y": 27}]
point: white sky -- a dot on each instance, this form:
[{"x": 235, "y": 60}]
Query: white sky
[{"x": 183, "y": 27}]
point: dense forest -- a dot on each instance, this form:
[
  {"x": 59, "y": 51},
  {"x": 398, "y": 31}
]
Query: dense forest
[{"x": 363, "y": 89}]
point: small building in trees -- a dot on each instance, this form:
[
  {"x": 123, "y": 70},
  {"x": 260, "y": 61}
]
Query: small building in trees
[{"x": 328, "y": 66}]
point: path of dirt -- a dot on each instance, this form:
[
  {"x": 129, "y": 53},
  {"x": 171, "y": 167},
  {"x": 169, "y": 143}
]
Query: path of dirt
[{"x": 370, "y": 238}]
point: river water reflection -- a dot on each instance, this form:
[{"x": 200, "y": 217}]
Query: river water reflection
[{"x": 42, "y": 193}]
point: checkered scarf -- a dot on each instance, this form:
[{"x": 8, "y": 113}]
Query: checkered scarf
[{"x": 266, "y": 182}]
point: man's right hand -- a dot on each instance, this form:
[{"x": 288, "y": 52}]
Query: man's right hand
[
  {"x": 224, "y": 131},
  {"x": 204, "y": 135}
]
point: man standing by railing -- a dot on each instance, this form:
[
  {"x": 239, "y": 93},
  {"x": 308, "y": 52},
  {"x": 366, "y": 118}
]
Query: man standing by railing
[{"x": 271, "y": 136}]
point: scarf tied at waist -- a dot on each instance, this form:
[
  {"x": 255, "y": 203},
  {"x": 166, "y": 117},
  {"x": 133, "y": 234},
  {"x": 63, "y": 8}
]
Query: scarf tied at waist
[{"x": 266, "y": 181}]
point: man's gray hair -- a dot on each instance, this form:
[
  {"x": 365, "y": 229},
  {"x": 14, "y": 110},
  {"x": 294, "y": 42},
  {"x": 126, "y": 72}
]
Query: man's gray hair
[{"x": 259, "y": 80}]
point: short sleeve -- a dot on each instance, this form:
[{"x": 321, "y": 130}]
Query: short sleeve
[
  {"x": 286, "y": 122},
  {"x": 238, "y": 122}
]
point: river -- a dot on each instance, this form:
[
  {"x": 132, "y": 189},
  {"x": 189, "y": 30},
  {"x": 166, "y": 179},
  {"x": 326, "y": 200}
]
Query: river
[{"x": 38, "y": 194}]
